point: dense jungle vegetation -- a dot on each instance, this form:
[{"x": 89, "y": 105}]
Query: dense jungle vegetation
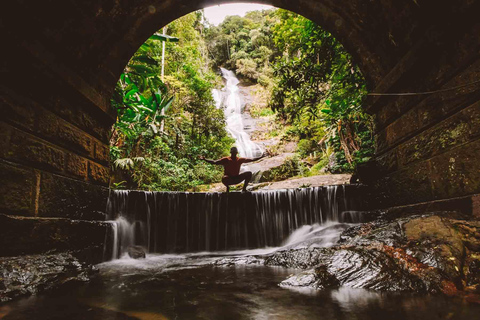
[{"x": 313, "y": 89}]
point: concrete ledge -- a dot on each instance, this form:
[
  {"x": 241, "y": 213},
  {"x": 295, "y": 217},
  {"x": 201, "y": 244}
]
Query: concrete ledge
[
  {"x": 26, "y": 235},
  {"x": 459, "y": 208}
]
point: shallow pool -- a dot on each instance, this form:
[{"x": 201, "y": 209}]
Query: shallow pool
[{"x": 191, "y": 287}]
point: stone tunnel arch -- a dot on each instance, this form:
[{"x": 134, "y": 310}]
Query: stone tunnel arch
[
  {"x": 63, "y": 59},
  {"x": 156, "y": 15}
]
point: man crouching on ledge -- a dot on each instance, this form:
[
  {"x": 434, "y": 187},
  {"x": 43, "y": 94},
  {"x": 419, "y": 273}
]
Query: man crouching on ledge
[{"x": 231, "y": 166}]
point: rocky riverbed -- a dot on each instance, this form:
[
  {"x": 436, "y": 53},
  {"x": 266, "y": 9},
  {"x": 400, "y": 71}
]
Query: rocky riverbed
[
  {"x": 431, "y": 253},
  {"x": 417, "y": 267}
]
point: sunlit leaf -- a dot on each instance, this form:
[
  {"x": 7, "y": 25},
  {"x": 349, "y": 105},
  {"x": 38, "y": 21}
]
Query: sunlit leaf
[{"x": 164, "y": 37}]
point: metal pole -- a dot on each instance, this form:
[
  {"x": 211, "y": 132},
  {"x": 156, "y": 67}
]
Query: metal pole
[{"x": 162, "y": 124}]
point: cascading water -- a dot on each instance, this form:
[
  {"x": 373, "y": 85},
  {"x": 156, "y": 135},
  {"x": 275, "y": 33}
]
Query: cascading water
[
  {"x": 229, "y": 100},
  {"x": 176, "y": 222}
]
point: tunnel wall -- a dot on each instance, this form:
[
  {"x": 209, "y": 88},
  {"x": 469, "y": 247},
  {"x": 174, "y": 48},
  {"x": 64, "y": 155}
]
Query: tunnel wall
[
  {"x": 61, "y": 60},
  {"x": 427, "y": 146},
  {"x": 54, "y": 157}
]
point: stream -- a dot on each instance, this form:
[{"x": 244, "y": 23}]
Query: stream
[
  {"x": 188, "y": 273},
  {"x": 190, "y": 286}
]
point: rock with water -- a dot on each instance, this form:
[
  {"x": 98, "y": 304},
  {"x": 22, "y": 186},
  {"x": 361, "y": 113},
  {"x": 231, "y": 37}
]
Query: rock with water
[
  {"x": 242, "y": 260},
  {"x": 317, "y": 278},
  {"x": 300, "y": 258},
  {"x": 32, "y": 274},
  {"x": 136, "y": 252},
  {"x": 354, "y": 267},
  {"x": 434, "y": 240},
  {"x": 430, "y": 253}
]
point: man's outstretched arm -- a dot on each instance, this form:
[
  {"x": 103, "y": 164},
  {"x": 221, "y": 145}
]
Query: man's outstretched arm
[
  {"x": 210, "y": 161},
  {"x": 247, "y": 160}
]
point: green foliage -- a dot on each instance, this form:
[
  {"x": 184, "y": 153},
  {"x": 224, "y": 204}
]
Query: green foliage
[
  {"x": 316, "y": 169},
  {"x": 290, "y": 168},
  {"x": 155, "y": 151},
  {"x": 127, "y": 163},
  {"x": 319, "y": 90},
  {"x": 305, "y": 147},
  {"x": 314, "y": 88},
  {"x": 247, "y": 68},
  {"x": 244, "y": 44},
  {"x": 257, "y": 112},
  {"x": 314, "y": 84}
]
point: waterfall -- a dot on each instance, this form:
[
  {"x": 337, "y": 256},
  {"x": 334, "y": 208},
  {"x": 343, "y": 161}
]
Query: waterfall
[
  {"x": 229, "y": 100},
  {"x": 178, "y": 222}
]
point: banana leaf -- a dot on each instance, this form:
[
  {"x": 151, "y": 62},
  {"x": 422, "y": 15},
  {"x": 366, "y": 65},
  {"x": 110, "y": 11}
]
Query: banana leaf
[{"x": 164, "y": 37}]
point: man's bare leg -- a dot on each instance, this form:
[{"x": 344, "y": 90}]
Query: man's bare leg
[
  {"x": 226, "y": 180},
  {"x": 230, "y": 181},
  {"x": 248, "y": 177}
]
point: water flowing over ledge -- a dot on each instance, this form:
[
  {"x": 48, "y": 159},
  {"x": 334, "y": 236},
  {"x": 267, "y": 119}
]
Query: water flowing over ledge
[{"x": 178, "y": 222}]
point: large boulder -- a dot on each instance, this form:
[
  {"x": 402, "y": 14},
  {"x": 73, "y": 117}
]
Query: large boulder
[
  {"x": 136, "y": 252},
  {"x": 430, "y": 253},
  {"x": 355, "y": 267}
]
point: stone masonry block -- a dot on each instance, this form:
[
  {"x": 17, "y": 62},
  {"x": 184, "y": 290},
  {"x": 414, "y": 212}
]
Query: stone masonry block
[
  {"x": 473, "y": 115},
  {"x": 439, "y": 105},
  {"x": 64, "y": 134},
  {"x": 77, "y": 166},
  {"x": 102, "y": 153},
  {"x": 17, "y": 189},
  {"x": 27, "y": 149},
  {"x": 401, "y": 129},
  {"x": 69, "y": 198},
  {"x": 47, "y": 124},
  {"x": 98, "y": 173},
  {"x": 456, "y": 173},
  {"x": 77, "y": 139},
  {"x": 451, "y": 132},
  {"x": 444, "y": 66},
  {"x": 93, "y": 125},
  {"x": 387, "y": 162},
  {"x": 19, "y": 111},
  {"x": 380, "y": 141},
  {"x": 5, "y": 133},
  {"x": 410, "y": 185},
  {"x": 81, "y": 117}
]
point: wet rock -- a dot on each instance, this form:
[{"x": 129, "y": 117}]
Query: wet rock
[
  {"x": 246, "y": 260},
  {"x": 136, "y": 252},
  {"x": 27, "y": 275},
  {"x": 382, "y": 231},
  {"x": 317, "y": 278},
  {"x": 303, "y": 279},
  {"x": 472, "y": 269},
  {"x": 429, "y": 253},
  {"x": 324, "y": 278},
  {"x": 299, "y": 258},
  {"x": 355, "y": 267},
  {"x": 433, "y": 241}
]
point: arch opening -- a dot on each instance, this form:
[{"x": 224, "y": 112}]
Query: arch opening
[
  {"x": 55, "y": 131},
  {"x": 295, "y": 78}
]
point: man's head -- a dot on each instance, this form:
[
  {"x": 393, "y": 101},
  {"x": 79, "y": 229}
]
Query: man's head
[{"x": 233, "y": 152}]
